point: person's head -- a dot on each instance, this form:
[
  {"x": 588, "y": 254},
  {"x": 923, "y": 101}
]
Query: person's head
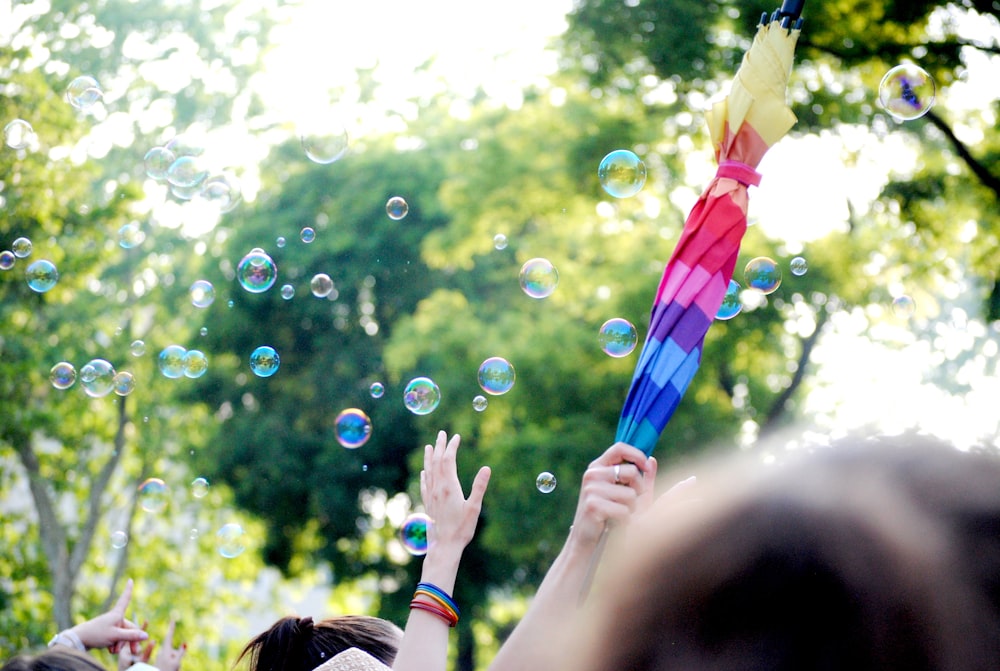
[
  {"x": 299, "y": 644},
  {"x": 824, "y": 561},
  {"x": 57, "y": 658}
]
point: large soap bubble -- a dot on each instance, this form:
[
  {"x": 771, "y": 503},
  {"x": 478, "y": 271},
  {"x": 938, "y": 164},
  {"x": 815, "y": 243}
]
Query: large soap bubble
[
  {"x": 496, "y": 376},
  {"x": 907, "y": 92},
  {"x": 353, "y": 428},
  {"x": 421, "y": 396},
  {"x": 257, "y": 271},
  {"x": 538, "y": 278},
  {"x": 622, "y": 173}
]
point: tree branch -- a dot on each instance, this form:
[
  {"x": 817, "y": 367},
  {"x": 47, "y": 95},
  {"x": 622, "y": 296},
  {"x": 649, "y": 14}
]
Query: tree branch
[{"x": 987, "y": 178}]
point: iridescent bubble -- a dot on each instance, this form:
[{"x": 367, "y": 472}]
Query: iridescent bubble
[
  {"x": 18, "y": 134},
  {"x": 421, "y": 396},
  {"x": 171, "y": 361},
  {"x": 62, "y": 375},
  {"x": 799, "y": 266},
  {"x": 538, "y": 278},
  {"x": 907, "y": 92},
  {"x": 137, "y": 348},
  {"x": 287, "y": 291},
  {"x": 731, "y": 303},
  {"x": 617, "y": 337},
  {"x": 195, "y": 363},
  {"x": 479, "y": 403},
  {"x": 186, "y": 172},
  {"x": 157, "y": 162},
  {"x": 326, "y": 144},
  {"x": 903, "y": 306},
  {"x": 97, "y": 378},
  {"x": 307, "y": 234},
  {"x": 622, "y": 173},
  {"x": 203, "y": 331},
  {"x": 83, "y": 92},
  {"x": 397, "y": 208},
  {"x": 264, "y": 361},
  {"x": 222, "y": 191},
  {"x": 119, "y": 539},
  {"x": 762, "y": 274},
  {"x": 231, "y": 541},
  {"x": 321, "y": 285},
  {"x": 41, "y": 275},
  {"x": 199, "y": 488},
  {"x": 185, "y": 192},
  {"x": 124, "y": 383},
  {"x": 280, "y": 242},
  {"x": 414, "y": 533},
  {"x": 496, "y": 376},
  {"x": 545, "y": 482},
  {"x": 21, "y": 248},
  {"x": 154, "y": 495},
  {"x": 500, "y": 241},
  {"x": 377, "y": 390},
  {"x": 257, "y": 271},
  {"x": 130, "y": 235},
  {"x": 353, "y": 428},
  {"x": 7, "y": 259},
  {"x": 187, "y": 144},
  {"x": 202, "y": 293}
]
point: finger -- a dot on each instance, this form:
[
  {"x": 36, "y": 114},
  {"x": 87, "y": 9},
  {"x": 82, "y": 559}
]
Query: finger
[
  {"x": 620, "y": 453},
  {"x": 147, "y": 652},
  {"x": 680, "y": 491},
  {"x": 423, "y": 487},
  {"x": 123, "y": 600},
  {"x": 126, "y": 635},
  {"x": 479, "y": 486},
  {"x": 168, "y": 638}
]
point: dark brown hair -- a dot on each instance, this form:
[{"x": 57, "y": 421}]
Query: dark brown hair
[{"x": 57, "y": 658}]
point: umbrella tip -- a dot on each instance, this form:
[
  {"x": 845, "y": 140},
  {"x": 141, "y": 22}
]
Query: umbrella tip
[
  {"x": 763, "y": 19},
  {"x": 790, "y": 9}
]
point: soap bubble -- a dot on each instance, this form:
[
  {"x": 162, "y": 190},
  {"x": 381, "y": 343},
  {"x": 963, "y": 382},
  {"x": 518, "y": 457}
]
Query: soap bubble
[
  {"x": 202, "y": 293},
  {"x": 321, "y": 285},
  {"x": 171, "y": 361},
  {"x": 203, "y": 331},
  {"x": 189, "y": 143},
  {"x": 731, "y": 303},
  {"x": 124, "y": 383},
  {"x": 545, "y": 482},
  {"x": 799, "y": 266},
  {"x": 157, "y": 162},
  {"x": 230, "y": 541},
  {"x": 352, "y": 428},
  {"x": 377, "y": 390},
  {"x": 257, "y": 271},
  {"x": 195, "y": 363},
  {"x": 496, "y": 376},
  {"x": 199, "y": 488},
  {"x": 762, "y": 274},
  {"x": 903, "y": 306},
  {"x": 7, "y": 259},
  {"x": 414, "y": 533},
  {"x": 264, "y": 361},
  {"x": 83, "y": 92},
  {"x": 185, "y": 192},
  {"x": 222, "y": 191},
  {"x": 21, "y": 247},
  {"x": 119, "y": 539},
  {"x": 397, "y": 208},
  {"x": 907, "y": 92},
  {"x": 421, "y": 396},
  {"x": 622, "y": 173},
  {"x": 325, "y": 145},
  {"x": 18, "y": 134},
  {"x": 62, "y": 375},
  {"x": 186, "y": 172},
  {"x": 280, "y": 241},
  {"x": 307, "y": 234},
  {"x": 617, "y": 337},
  {"x": 479, "y": 403},
  {"x": 500, "y": 241},
  {"x": 130, "y": 235},
  {"x": 137, "y": 348},
  {"x": 154, "y": 495},
  {"x": 538, "y": 278},
  {"x": 97, "y": 378},
  {"x": 41, "y": 275},
  {"x": 287, "y": 291}
]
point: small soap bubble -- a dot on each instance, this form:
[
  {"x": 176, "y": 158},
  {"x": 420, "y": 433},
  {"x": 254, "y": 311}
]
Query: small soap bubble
[
  {"x": 479, "y": 403},
  {"x": 257, "y": 271},
  {"x": 307, "y": 234},
  {"x": 421, "y": 396},
  {"x": 187, "y": 172},
  {"x": 353, "y": 428},
  {"x": 321, "y": 285},
  {"x": 903, "y": 306},
  {"x": 617, "y": 337},
  {"x": 137, "y": 348},
  {"x": 203, "y": 331},
  {"x": 194, "y": 533},
  {"x": 287, "y": 291},
  {"x": 21, "y": 248},
  {"x": 171, "y": 361},
  {"x": 907, "y": 92},
  {"x": 280, "y": 242},
  {"x": 496, "y": 376},
  {"x": 41, "y": 275},
  {"x": 230, "y": 541},
  {"x": 84, "y": 92},
  {"x": 154, "y": 495},
  {"x": 119, "y": 539},
  {"x": 799, "y": 266},
  {"x": 762, "y": 274},
  {"x": 18, "y": 134},
  {"x": 545, "y": 482},
  {"x": 202, "y": 293},
  {"x": 130, "y": 235},
  {"x": 124, "y": 383},
  {"x": 62, "y": 375},
  {"x": 621, "y": 173},
  {"x": 199, "y": 488},
  {"x": 157, "y": 162},
  {"x": 500, "y": 241},
  {"x": 222, "y": 192},
  {"x": 377, "y": 390},
  {"x": 731, "y": 303},
  {"x": 538, "y": 278},
  {"x": 229, "y": 303},
  {"x": 264, "y": 361},
  {"x": 7, "y": 259},
  {"x": 397, "y": 208},
  {"x": 97, "y": 378},
  {"x": 414, "y": 533},
  {"x": 325, "y": 145},
  {"x": 195, "y": 363}
]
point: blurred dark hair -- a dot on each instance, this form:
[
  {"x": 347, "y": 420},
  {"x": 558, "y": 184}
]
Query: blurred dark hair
[
  {"x": 56, "y": 658},
  {"x": 299, "y": 644}
]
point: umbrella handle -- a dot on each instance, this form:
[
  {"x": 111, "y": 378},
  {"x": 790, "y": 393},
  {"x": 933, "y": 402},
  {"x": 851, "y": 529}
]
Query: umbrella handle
[{"x": 788, "y": 14}]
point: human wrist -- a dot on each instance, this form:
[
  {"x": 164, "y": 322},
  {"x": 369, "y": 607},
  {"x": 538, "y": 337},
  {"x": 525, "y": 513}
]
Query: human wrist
[{"x": 68, "y": 638}]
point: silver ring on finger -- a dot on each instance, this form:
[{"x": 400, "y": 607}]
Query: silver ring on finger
[{"x": 618, "y": 474}]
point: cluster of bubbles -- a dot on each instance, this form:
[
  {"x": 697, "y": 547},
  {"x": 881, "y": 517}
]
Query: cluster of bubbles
[
  {"x": 18, "y": 134},
  {"x": 907, "y": 92},
  {"x": 397, "y": 208},
  {"x": 352, "y": 428},
  {"x": 421, "y": 396},
  {"x": 617, "y": 337},
  {"x": 413, "y": 533},
  {"x": 264, "y": 361},
  {"x": 175, "y": 361},
  {"x": 622, "y": 174},
  {"x": 538, "y": 278},
  {"x": 257, "y": 272},
  {"x": 496, "y": 376},
  {"x": 180, "y": 163},
  {"x": 97, "y": 377},
  {"x": 545, "y": 482}
]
